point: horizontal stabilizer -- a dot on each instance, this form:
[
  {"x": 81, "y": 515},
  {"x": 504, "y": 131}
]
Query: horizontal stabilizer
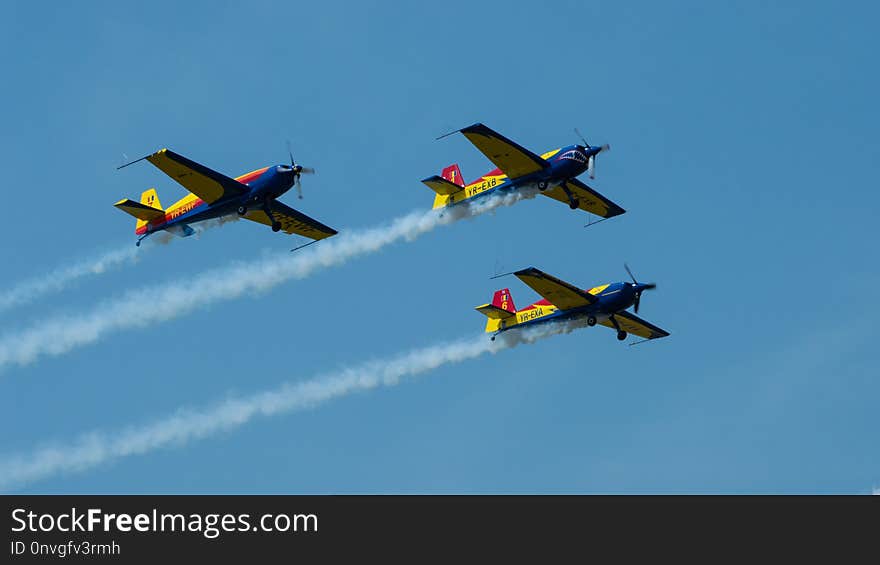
[
  {"x": 441, "y": 186},
  {"x": 140, "y": 211},
  {"x": 494, "y": 312}
]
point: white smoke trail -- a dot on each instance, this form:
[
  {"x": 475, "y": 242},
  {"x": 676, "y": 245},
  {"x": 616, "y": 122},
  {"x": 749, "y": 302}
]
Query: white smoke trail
[
  {"x": 60, "y": 278},
  {"x": 97, "y": 447},
  {"x": 149, "y": 305}
]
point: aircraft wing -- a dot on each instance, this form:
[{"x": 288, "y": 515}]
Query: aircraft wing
[
  {"x": 513, "y": 159},
  {"x": 631, "y": 323},
  {"x": 291, "y": 221},
  {"x": 588, "y": 199},
  {"x": 208, "y": 185},
  {"x": 559, "y": 293}
]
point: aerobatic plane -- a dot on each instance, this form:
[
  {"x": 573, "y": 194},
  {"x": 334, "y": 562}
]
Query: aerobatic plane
[
  {"x": 552, "y": 173},
  {"x": 562, "y": 302},
  {"x": 252, "y": 196}
]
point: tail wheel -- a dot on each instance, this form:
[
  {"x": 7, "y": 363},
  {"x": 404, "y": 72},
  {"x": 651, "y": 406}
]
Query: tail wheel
[
  {"x": 542, "y": 185},
  {"x": 242, "y": 210},
  {"x": 621, "y": 335},
  {"x": 276, "y": 226},
  {"x": 591, "y": 321},
  {"x": 574, "y": 204}
]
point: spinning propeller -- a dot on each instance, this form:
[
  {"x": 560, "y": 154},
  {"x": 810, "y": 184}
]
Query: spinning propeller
[
  {"x": 639, "y": 287},
  {"x": 297, "y": 171},
  {"x": 591, "y": 160}
]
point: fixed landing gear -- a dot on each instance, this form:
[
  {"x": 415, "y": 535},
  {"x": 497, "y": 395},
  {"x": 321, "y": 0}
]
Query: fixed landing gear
[
  {"x": 573, "y": 202},
  {"x": 591, "y": 321},
  {"x": 542, "y": 185},
  {"x": 621, "y": 335},
  {"x": 242, "y": 210},
  {"x": 276, "y": 225}
]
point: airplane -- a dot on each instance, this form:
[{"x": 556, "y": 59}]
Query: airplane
[
  {"x": 553, "y": 173},
  {"x": 253, "y": 196},
  {"x": 604, "y": 304}
]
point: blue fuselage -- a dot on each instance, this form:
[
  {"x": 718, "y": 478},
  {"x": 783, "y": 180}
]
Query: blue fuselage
[
  {"x": 565, "y": 164},
  {"x": 615, "y": 298},
  {"x": 268, "y": 186}
]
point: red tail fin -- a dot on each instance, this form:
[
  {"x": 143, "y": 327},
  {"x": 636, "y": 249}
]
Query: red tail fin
[
  {"x": 453, "y": 174},
  {"x": 503, "y": 300}
]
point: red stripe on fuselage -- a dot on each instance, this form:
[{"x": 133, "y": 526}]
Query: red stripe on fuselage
[
  {"x": 543, "y": 302},
  {"x": 171, "y": 214},
  {"x": 251, "y": 176}
]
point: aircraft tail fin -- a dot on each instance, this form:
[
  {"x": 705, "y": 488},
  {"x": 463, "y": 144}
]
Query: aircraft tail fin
[
  {"x": 453, "y": 174},
  {"x": 445, "y": 185},
  {"x": 499, "y": 310},
  {"x": 147, "y": 210}
]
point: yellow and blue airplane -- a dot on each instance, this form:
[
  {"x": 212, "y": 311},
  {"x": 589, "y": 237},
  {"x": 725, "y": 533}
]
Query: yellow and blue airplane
[
  {"x": 552, "y": 173},
  {"x": 253, "y": 196},
  {"x": 563, "y": 302}
]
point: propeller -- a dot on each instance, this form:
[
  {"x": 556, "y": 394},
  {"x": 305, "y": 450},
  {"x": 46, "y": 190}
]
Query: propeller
[
  {"x": 591, "y": 160},
  {"x": 297, "y": 171},
  {"x": 642, "y": 287}
]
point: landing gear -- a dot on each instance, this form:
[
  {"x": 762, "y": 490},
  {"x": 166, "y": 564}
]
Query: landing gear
[
  {"x": 542, "y": 185},
  {"x": 276, "y": 225},
  {"x": 242, "y": 210},
  {"x": 573, "y": 202},
  {"x": 591, "y": 321},
  {"x": 621, "y": 335}
]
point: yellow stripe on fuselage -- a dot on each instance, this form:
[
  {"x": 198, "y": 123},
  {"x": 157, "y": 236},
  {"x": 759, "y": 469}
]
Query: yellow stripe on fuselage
[
  {"x": 182, "y": 206},
  {"x": 531, "y": 313},
  {"x": 190, "y": 201},
  {"x": 479, "y": 186}
]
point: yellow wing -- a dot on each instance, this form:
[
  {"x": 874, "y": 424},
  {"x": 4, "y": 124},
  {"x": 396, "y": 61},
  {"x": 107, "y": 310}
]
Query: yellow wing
[
  {"x": 587, "y": 199},
  {"x": 561, "y": 294},
  {"x": 513, "y": 159},
  {"x": 208, "y": 185},
  {"x": 291, "y": 221},
  {"x": 631, "y": 323}
]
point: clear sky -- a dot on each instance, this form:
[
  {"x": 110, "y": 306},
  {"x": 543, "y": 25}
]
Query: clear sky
[{"x": 744, "y": 147}]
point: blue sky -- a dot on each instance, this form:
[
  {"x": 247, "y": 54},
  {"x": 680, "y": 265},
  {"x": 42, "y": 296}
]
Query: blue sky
[{"x": 744, "y": 144}]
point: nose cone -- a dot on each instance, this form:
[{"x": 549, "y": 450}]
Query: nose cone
[{"x": 289, "y": 169}]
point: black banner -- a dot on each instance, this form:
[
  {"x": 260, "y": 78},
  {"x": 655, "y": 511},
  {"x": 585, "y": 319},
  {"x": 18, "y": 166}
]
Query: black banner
[{"x": 130, "y": 529}]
